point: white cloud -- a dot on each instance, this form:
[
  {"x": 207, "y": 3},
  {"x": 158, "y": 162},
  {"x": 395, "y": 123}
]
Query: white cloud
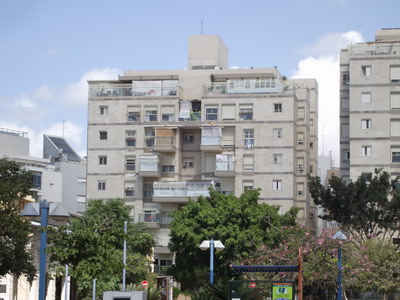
[
  {"x": 43, "y": 93},
  {"x": 77, "y": 93},
  {"x": 24, "y": 101},
  {"x": 323, "y": 65}
]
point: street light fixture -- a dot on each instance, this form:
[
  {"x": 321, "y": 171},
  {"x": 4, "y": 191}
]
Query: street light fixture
[
  {"x": 211, "y": 244},
  {"x": 339, "y": 235},
  {"x": 44, "y": 210}
]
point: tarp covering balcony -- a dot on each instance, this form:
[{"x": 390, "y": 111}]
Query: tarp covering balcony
[
  {"x": 211, "y": 135},
  {"x": 198, "y": 188},
  {"x": 225, "y": 162},
  {"x": 169, "y": 189},
  {"x": 149, "y": 163}
]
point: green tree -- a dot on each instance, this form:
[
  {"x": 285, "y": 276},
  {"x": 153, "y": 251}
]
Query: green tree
[
  {"x": 366, "y": 208},
  {"x": 92, "y": 246},
  {"x": 14, "y": 231},
  {"x": 240, "y": 223}
]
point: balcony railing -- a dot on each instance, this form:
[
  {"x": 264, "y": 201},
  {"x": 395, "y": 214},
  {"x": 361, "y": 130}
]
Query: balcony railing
[
  {"x": 180, "y": 191},
  {"x": 375, "y": 49},
  {"x": 244, "y": 87},
  {"x": 211, "y": 138},
  {"x": 110, "y": 90},
  {"x": 149, "y": 165},
  {"x": 155, "y": 88}
]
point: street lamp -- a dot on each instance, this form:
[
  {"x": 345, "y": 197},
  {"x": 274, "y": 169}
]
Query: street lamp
[
  {"x": 45, "y": 210},
  {"x": 211, "y": 244},
  {"x": 342, "y": 237}
]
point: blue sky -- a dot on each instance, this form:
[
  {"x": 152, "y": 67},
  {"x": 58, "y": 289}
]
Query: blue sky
[{"x": 49, "y": 48}]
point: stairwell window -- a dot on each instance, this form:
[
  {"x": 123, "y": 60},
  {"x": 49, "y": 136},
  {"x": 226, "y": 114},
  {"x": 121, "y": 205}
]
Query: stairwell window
[
  {"x": 277, "y": 185},
  {"x": 366, "y": 124},
  {"x": 103, "y": 135},
  {"x": 366, "y": 70},
  {"x": 277, "y": 158},
  {"x": 101, "y": 185},
  {"x": 103, "y": 160},
  {"x": 248, "y": 135},
  {"x": 366, "y": 150},
  {"x": 278, "y": 107}
]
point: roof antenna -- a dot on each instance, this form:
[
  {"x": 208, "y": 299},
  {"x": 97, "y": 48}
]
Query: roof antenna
[{"x": 201, "y": 28}]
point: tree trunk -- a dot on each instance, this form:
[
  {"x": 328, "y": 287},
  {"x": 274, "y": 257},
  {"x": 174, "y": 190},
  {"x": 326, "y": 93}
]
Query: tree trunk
[{"x": 73, "y": 289}]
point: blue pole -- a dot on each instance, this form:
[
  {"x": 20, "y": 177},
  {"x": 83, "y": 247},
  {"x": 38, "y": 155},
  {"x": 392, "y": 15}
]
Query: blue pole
[
  {"x": 339, "y": 278},
  {"x": 124, "y": 259},
  {"x": 44, "y": 214},
  {"x": 212, "y": 261}
]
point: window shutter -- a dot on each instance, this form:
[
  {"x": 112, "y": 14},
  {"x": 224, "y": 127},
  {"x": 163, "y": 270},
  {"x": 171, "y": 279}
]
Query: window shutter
[
  {"x": 395, "y": 100},
  {"x": 395, "y": 127},
  {"x": 228, "y": 112},
  {"x": 228, "y": 136}
]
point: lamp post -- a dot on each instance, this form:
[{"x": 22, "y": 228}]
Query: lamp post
[
  {"x": 342, "y": 237},
  {"x": 45, "y": 210},
  {"x": 211, "y": 244}
]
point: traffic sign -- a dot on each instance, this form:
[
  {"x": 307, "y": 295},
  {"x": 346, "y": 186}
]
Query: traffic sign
[
  {"x": 252, "y": 284},
  {"x": 145, "y": 283}
]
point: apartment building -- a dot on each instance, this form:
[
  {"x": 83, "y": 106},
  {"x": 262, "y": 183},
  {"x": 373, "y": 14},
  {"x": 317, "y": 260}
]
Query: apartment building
[
  {"x": 160, "y": 138},
  {"x": 370, "y": 105}
]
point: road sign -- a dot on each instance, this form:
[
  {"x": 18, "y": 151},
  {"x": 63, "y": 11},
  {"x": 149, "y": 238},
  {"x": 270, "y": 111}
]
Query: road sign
[
  {"x": 252, "y": 284},
  {"x": 145, "y": 283}
]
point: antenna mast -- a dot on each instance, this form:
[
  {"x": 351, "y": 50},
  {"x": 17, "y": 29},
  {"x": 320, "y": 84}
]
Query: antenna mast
[{"x": 201, "y": 27}]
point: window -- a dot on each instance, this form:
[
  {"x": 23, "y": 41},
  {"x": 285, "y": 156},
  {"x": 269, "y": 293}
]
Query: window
[
  {"x": 101, "y": 185},
  {"x": 248, "y": 135},
  {"x": 103, "y": 135},
  {"x": 277, "y": 133},
  {"x": 300, "y": 113},
  {"x": 366, "y": 124},
  {"x": 167, "y": 169},
  {"x": 211, "y": 113},
  {"x": 246, "y": 112},
  {"x": 346, "y": 156},
  {"x": 228, "y": 136},
  {"x": 248, "y": 185},
  {"x": 311, "y": 169},
  {"x": 148, "y": 190},
  {"x": 228, "y": 112},
  {"x": 129, "y": 189},
  {"x": 395, "y": 154},
  {"x": 395, "y": 73},
  {"x": 345, "y": 78},
  {"x": 366, "y": 150},
  {"x": 133, "y": 116},
  {"x": 395, "y": 100},
  {"x": 300, "y": 138},
  {"x": 277, "y": 185},
  {"x": 345, "y": 104},
  {"x": 300, "y": 188},
  {"x": 103, "y": 110},
  {"x": 37, "y": 180},
  {"x": 277, "y": 159},
  {"x": 130, "y": 164},
  {"x": 149, "y": 137},
  {"x": 300, "y": 164},
  {"x": 248, "y": 163},
  {"x": 345, "y": 130},
  {"x": 277, "y": 107},
  {"x": 102, "y": 160},
  {"x": 130, "y": 138},
  {"x": 366, "y": 97},
  {"x": 150, "y": 115},
  {"x": 395, "y": 127},
  {"x": 167, "y": 113},
  {"x": 188, "y": 162},
  {"x": 366, "y": 70},
  {"x": 188, "y": 138},
  {"x": 150, "y": 216}
]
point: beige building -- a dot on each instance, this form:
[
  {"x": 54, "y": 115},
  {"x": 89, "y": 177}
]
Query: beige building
[
  {"x": 160, "y": 138},
  {"x": 370, "y": 105}
]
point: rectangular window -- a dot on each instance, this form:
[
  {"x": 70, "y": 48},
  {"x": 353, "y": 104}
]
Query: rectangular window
[
  {"x": 366, "y": 97},
  {"x": 104, "y": 110},
  {"x": 188, "y": 138},
  {"x": 277, "y": 158},
  {"x": 395, "y": 154},
  {"x": 188, "y": 162},
  {"x": 103, "y": 135},
  {"x": 300, "y": 164},
  {"x": 277, "y": 185},
  {"x": 150, "y": 137},
  {"x": 345, "y": 130},
  {"x": 346, "y": 157},
  {"x": 167, "y": 113},
  {"x": 366, "y": 150},
  {"x": 211, "y": 113},
  {"x": 395, "y": 127},
  {"x": 102, "y": 160},
  {"x": 345, "y": 104},
  {"x": 277, "y": 107},
  {"x": 248, "y": 135},
  {"x": 277, "y": 133},
  {"x": 167, "y": 169},
  {"x": 395, "y": 73},
  {"x": 101, "y": 185},
  {"x": 228, "y": 136},
  {"x": 129, "y": 189},
  {"x": 248, "y": 163},
  {"x": 248, "y": 185},
  {"x": 366, "y": 124},
  {"x": 133, "y": 114},
  {"x": 301, "y": 113},
  {"x": 366, "y": 70},
  {"x": 150, "y": 115},
  {"x": 395, "y": 100},
  {"x": 246, "y": 112},
  {"x": 148, "y": 190},
  {"x": 130, "y": 164},
  {"x": 300, "y": 188},
  {"x": 37, "y": 180},
  {"x": 345, "y": 78},
  {"x": 130, "y": 138},
  {"x": 300, "y": 138},
  {"x": 228, "y": 112}
]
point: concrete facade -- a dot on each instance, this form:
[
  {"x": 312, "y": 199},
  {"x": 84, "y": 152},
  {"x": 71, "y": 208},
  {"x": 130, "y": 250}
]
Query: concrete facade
[
  {"x": 159, "y": 138},
  {"x": 370, "y": 105}
]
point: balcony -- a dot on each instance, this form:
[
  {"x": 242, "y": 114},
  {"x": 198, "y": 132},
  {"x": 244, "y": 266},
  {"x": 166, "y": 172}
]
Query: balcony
[
  {"x": 155, "y": 88},
  {"x": 151, "y": 219},
  {"x": 149, "y": 166},
  {"x": 211, "y": 139},
  {"x": 180, "y": 191},
  {"x": 225, "y": 166},
  {"x": 244, "y": 87},
  {"x": 375, "y": 49},
  {"x": 164, "y": 140},
  {"x": 190, "y": 111},
  {"x": 110, "y": 90}
]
